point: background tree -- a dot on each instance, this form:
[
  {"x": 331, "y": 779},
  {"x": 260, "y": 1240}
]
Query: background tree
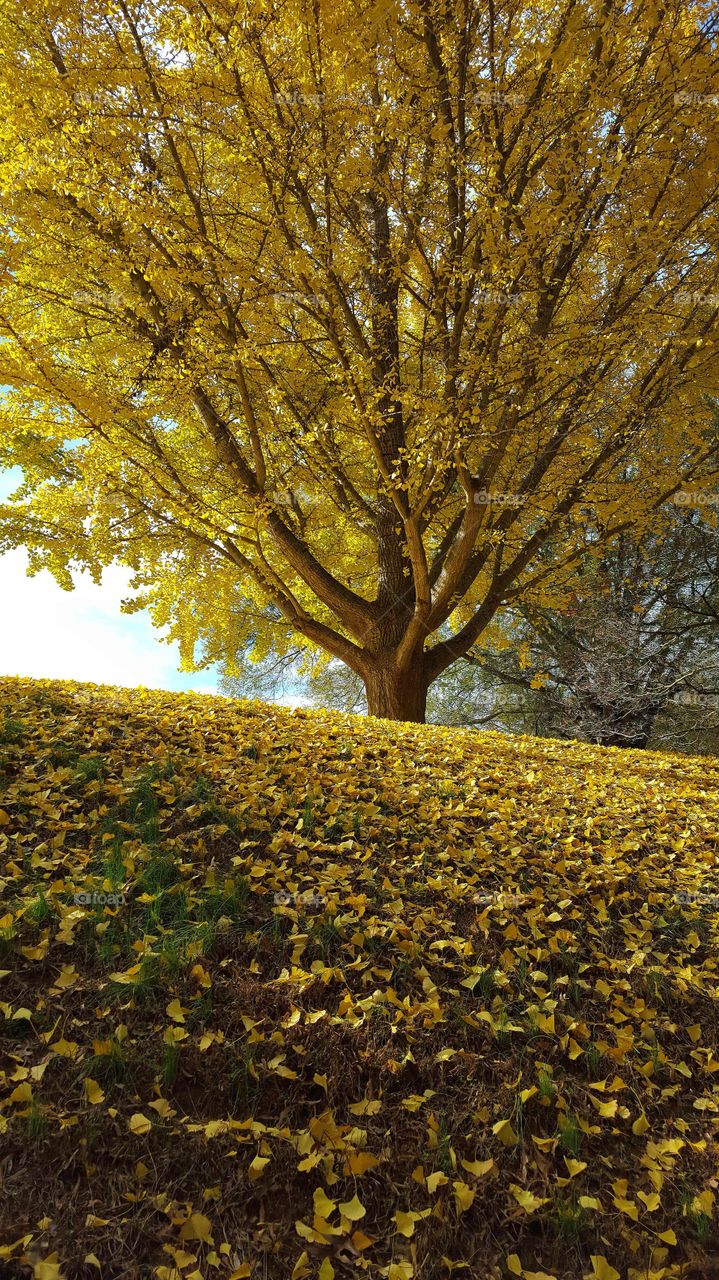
[
  {"x": 635, "y": 657},
  {"x": 337, "y": 320},
  {"x": 631, "y": 660}
]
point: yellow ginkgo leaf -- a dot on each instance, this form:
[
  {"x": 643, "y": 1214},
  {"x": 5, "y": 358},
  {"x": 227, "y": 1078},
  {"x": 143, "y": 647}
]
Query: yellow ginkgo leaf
[
  {"x": 203, "y": 978},
  {"x": 129, "y": 977},
  {"x": 257, "y": 1167},
  {"x": 64, "y": 1048},
  {"x": 601, "y": 1270},
  {"x": 139, "y": 1123},
  {"x": 628, "y": 1207},
  {"x": 93, "y": 1092},
  {"x": 48, "y": 1269},
  {"x": 197, "y": 1227},
  {"x": 590, "y": 1202},
  {"x": 606, "y": 1109},
  {"x": 302, "y": 1269},
  {"x": 353, "y": 1209},
  {"x": 651, "y": 1200},
  {"x": 704, "y": 1202},
  {"x": 323, "y": 1205},
  {"x": 504, "y": 1131},
  {"x": 405, "y": 1222},
  {"x": 360, "y": 1161},
  {"x": 478, "y": 1167},
  {"x": 529, "y": 1202},
  {"x": 367, "y": 1107},
  {"x": 309, "y": 1233},
  {"x": 463, "y": 1195},
  {"x": 182, "y": 1257},
  {"x": 435, "y": 1180}
]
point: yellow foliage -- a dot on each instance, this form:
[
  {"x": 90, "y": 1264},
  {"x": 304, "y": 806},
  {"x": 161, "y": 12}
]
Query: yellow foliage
[{"x": 338, "y": 330}]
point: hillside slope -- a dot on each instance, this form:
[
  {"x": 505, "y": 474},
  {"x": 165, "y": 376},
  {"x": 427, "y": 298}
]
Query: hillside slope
[{"x": 290, "y": 994}]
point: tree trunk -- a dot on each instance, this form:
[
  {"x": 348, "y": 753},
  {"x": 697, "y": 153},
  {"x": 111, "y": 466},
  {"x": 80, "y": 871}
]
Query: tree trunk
[{"x": 397, "y": 695}]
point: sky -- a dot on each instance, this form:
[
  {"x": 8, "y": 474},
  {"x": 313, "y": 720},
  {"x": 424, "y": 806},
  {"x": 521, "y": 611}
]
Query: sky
[{"x": 81, "y": 634}]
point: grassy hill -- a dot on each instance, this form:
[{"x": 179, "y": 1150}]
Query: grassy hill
[{"x": 291, "y": 995}]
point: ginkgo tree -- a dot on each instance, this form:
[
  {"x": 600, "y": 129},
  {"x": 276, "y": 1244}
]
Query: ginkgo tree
[{"x": 343, "y": 320}]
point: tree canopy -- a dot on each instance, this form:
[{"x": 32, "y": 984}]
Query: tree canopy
[{"x": 354, "y": 322}]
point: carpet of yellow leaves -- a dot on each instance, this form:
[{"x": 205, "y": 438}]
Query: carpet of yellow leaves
[{"x": 290, "y": 995}]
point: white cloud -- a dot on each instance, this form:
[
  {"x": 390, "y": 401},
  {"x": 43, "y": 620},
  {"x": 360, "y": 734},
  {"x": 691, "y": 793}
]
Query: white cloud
[{"x": 81, "y": 634}]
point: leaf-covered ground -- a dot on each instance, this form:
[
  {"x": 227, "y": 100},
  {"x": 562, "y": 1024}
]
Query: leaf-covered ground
[{"x": 345, "y": 998}]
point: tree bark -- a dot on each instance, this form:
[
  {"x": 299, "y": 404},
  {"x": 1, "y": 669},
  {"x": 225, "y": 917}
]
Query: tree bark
[{"x": 397, "y": 694}]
